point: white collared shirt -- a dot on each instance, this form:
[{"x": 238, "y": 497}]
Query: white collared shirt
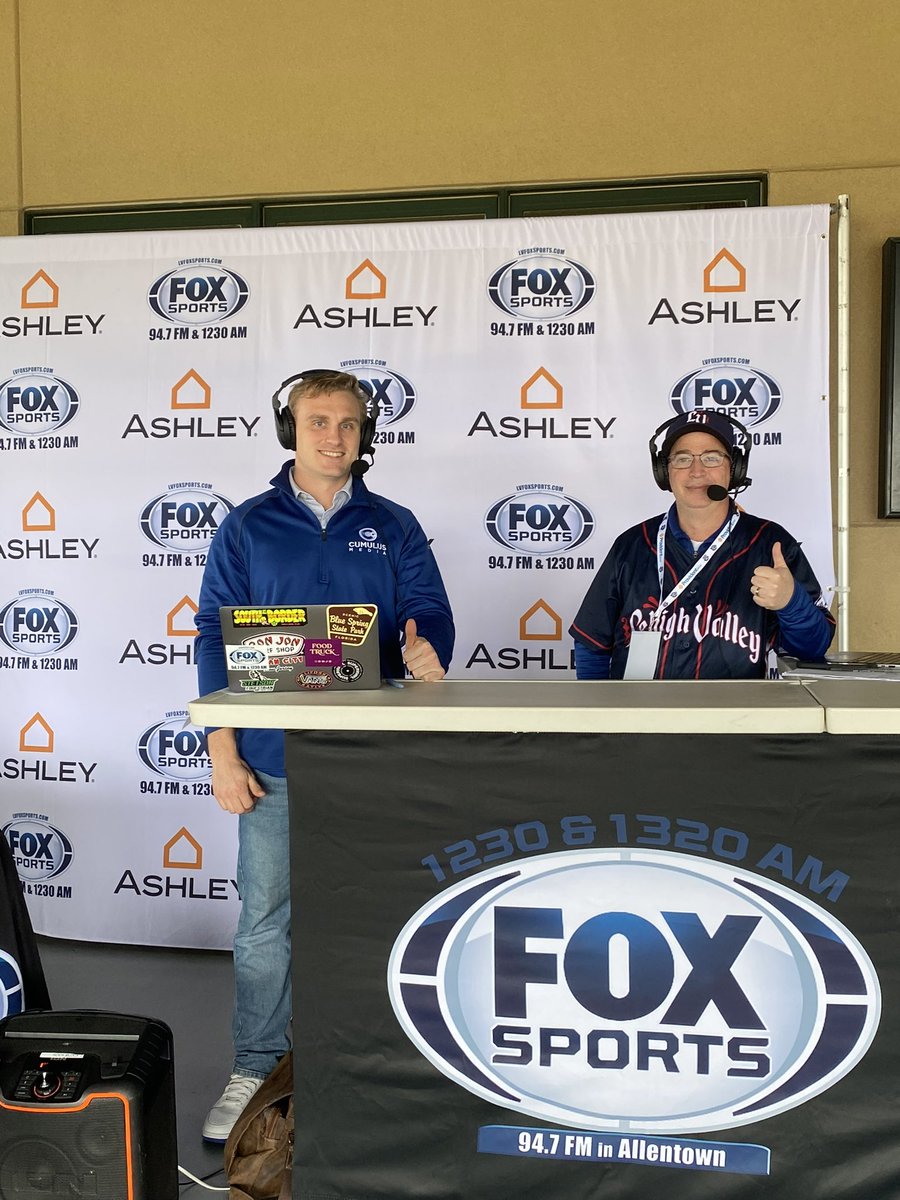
[{"x": 341, "y": 496}]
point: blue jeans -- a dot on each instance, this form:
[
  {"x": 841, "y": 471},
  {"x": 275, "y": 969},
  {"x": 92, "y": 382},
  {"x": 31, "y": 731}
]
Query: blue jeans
[{"x": 262, "y": 943}]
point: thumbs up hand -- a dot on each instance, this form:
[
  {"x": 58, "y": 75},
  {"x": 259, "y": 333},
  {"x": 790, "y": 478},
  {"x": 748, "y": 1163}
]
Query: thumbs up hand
[
  {"x": 420, "y": 656},
  {"x": 772, "y": 587}
]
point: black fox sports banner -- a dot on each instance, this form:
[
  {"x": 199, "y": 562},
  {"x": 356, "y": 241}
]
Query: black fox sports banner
[
  {"x": 574, "y": 966},
  {"x": 21, "y": 975}
]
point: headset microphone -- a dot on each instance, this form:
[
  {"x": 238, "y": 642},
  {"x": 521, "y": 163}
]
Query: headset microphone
[{"x": 715, "y": 491}]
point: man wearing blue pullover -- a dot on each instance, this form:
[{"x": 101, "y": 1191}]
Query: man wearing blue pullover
[
  {"x": 300, "y": 543},
  {"x": 705, "y": 591}
]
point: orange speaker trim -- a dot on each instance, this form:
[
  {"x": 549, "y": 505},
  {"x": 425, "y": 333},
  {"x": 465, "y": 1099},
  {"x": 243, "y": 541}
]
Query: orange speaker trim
[{"x": 60, "y": 1109}]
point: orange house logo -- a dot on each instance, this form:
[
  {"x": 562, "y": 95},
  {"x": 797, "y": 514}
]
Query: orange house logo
[
  {"x": 366, "y": 282},
  {"x": 180, "y": 619},
  {"x": 183, "y": 852},
  {"x": 40, "y": 292},
  {"x": 36, "y": 736},
  {"x": 541, "y": 390},
  {"x": 191, "y": 391},
  {"x": 38, "y": 515},
  {"x": 540, "y": 624},
  {"x": 724, "y": 273}
]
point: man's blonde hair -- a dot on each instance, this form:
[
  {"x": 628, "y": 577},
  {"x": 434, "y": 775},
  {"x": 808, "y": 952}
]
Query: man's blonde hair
[{"x": 323, "y": 382}]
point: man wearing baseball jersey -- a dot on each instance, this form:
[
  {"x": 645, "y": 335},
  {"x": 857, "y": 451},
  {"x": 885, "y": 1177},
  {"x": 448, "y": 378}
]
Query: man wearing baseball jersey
[{"x": 706, "y": 590}]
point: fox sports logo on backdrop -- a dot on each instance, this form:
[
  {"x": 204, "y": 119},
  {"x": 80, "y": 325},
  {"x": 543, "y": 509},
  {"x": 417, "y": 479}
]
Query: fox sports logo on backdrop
[
  {"x": 200, "y": 291},
  {"x": 37, "y": 623},
  {"x": 40, "y": 850},
  {"x": 185, "y": 517},
  {"x": 539, "y": 520},
  {"x": 12, "y": 989},
  {"x": 175, "y": 749},
  {"x": 732, "y": 387},
  {"x": 541, "y": 286},
  {"x": 622, "y": 990},
  {"x": 392, "y": 392},
  {"x": 36, "y": 402}
]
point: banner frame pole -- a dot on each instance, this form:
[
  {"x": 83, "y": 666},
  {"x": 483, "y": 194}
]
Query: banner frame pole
[{"x": 843, "y": 423}]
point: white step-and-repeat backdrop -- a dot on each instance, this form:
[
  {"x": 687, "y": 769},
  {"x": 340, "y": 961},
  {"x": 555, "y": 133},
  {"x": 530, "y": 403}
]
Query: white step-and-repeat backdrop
[{"x": 521, "y": 367}]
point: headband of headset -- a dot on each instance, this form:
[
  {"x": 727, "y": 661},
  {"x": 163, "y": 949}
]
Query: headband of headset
[
  {"x": 730, "y": 432},
  {"x": 286, "y": 429}
]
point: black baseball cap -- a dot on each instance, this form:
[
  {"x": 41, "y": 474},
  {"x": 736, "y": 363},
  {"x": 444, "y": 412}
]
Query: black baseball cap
[{"x": 700, "y": 420}]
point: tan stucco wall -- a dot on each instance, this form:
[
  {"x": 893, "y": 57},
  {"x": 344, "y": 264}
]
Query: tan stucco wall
[
  {"x": 220, "y": 97},
  {"x": 10, "y": 142},
  {"x": 103, "y": 102}
]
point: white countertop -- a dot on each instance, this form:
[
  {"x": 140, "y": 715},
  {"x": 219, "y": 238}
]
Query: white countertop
[
  {"x": 858, "y": 705},
  {"x": 535, "y": 706}
]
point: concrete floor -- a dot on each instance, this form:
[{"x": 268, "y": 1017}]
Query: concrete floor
[{"x": 191, "y": 991}]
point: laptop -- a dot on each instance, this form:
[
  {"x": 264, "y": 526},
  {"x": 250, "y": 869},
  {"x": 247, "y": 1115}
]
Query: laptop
[
  {"x": 854, "y": 664},
  {"x": 301, "y": 647}
]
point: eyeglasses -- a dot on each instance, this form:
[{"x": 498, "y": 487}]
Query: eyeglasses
[{"x": 709, "y": 458}]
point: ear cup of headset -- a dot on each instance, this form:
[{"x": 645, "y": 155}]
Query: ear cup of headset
[
  {"x": 740, "y": 458},
  {"x": 285, "y": 429},
  {"x": 659, "y": 466},
  {"x": 367, "y": 429}
]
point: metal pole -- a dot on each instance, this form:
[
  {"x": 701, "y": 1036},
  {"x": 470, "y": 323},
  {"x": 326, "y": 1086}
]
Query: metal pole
[{"x": 843, "y": 424}]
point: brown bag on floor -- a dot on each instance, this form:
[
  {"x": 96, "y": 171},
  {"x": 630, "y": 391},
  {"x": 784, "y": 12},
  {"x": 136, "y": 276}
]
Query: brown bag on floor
[{"x": 259, "y": 1153}]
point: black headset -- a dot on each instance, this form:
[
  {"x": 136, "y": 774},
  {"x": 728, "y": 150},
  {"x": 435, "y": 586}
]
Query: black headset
[
  {"x": 286, "y": 429},
  {"x": 739, "y": 452}
]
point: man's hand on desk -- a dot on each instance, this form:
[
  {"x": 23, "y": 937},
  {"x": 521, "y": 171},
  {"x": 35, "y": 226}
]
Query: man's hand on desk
[
  {"x": 234, "y": 785},
  {"x": 420, "y": 656}
]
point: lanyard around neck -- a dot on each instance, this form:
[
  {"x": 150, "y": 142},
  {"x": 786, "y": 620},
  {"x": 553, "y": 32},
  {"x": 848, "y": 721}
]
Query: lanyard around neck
[{"x": 714, "y": 546}]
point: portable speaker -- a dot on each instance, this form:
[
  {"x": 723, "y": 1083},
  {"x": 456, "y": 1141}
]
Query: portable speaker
[{"x": 87, "y": 1107}]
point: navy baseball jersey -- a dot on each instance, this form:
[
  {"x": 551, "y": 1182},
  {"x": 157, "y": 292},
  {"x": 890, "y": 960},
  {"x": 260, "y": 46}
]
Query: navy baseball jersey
[{"x": 713, "y": 630}]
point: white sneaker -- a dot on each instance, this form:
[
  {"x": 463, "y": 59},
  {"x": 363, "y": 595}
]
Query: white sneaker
[{"x": 229, "y": 1106}]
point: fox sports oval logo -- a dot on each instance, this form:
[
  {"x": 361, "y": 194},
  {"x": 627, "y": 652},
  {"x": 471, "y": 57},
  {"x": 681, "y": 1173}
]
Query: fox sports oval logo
[
  {"x": 36, "y": 402},
  {"x": 175, "y": 749},
  {"x": 246, "y": 657},
  {"x": 198, "y": 294},
  {"x": 539, "y": 521},
  {"x": 40, "y": 850},
  {"x": 541, "y": 287},
  {"x": 184, "y": 518},
  {"x": 38, "y": 623},
  {"x": 12, "y": 989},
  {"x": 744, "y": 392},
  {"x": 392, "y": 392},
  {"x": 634, "y": 990}
]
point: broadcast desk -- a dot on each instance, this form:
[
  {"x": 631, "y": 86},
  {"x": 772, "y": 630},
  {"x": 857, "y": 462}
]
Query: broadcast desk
[
  {"x": 537, "y": 707},
  {"x": 858, "y": 705},
  {"x": 458, "y": 851}
]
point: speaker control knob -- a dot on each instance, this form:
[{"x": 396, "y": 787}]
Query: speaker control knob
[{"x": 47, "y": 1084}]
